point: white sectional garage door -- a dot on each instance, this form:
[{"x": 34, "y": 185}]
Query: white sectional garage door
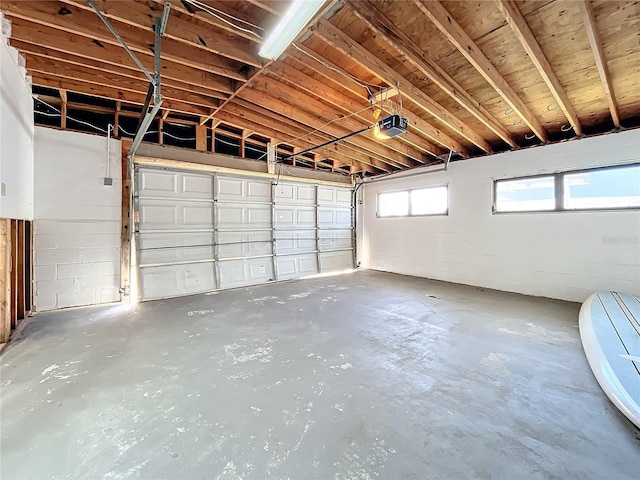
[
  {"x": 198, "y": 232},
  {"x": 175, "y": 233}
]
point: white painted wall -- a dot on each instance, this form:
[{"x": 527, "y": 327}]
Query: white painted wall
[
  {"x": 565, "y": 255},
  {"x": 77, "y": 220},
  {"x": 16, "y": 136}
]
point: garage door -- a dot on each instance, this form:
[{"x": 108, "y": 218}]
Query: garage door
[
  {"x": 295, "y": 231},
  {"x": 199, "y": 232},
  {"x": 243, "y": 226},
  {"x": 335, "y": 228},
  {"x": 175, "y": 233}
]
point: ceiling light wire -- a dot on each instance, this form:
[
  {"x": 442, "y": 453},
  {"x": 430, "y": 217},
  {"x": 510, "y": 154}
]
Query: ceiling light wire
[
  {"x": 211, "y": 11},
  {"x": 362, "y": 83}
]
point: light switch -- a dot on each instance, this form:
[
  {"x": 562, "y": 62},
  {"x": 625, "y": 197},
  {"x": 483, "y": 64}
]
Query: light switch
[{"x": 3, "y": 189}]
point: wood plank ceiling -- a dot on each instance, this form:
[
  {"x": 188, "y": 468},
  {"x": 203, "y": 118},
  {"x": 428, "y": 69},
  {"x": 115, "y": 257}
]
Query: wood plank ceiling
[{"x": 475, "y": 76}]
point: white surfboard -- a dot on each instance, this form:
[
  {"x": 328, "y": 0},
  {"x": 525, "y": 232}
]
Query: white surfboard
[{"x": 610, "y": 332}]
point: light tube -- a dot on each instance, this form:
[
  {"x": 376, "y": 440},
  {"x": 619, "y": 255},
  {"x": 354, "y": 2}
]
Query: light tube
[{"x": 297, "y": 17}]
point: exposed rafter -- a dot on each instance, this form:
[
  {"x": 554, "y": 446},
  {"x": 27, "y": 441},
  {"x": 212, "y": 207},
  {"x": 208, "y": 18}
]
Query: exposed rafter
[
  {"x": 83, "y": 23},
  {"x": 311, "y": 121},
  {"x": 525, "y": 36},
  {"x": 439, "y": 16},
  {"x": 110, "y": 92},
  {"x": 349, "y": 47},
  {"x": 414, "y": 54},
  {"x": 29, "y": 35},
  {"x": 319, "y": 91},
  {"x": 94, "y": 76},
  {"x": 199, "y": 38},
  {"x": 41, "y": 57},
  {"x": 598, "y": 54}
]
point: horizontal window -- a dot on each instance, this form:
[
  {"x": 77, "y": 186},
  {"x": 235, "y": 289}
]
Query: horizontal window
[
  {"x": 429, "y": 201},
  {"x": 525, "y": 195},
  {"x": 421, "y": 201},
  {"x": 601, "y": 188},
  {"x": 604, "y": 188},
  {"x": 393, "y": 204}
]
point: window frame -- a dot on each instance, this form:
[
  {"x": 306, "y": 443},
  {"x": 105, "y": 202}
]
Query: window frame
[
  {"x": 558, "y": 183},
  {"x": 408, "y": 191}
]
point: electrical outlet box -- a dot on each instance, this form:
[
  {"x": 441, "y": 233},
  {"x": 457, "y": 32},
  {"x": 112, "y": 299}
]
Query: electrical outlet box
[{"x": 108, "y": 181}]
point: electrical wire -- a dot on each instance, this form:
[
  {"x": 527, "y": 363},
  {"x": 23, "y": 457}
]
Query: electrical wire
[
  {"x": 332, "y": 121},
  {"x": 194, "y": 2},
  {"x": 362, "y": 83},
  {"x": 59, "y": 114},
  {"x": 211, "y": 11}
]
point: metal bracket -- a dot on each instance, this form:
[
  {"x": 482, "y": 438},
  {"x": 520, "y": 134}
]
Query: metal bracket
[{"x": 160, "y": 24}]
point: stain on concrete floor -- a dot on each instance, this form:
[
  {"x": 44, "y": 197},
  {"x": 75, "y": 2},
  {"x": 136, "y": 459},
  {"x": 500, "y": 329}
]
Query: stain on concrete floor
[{"x": 363, "y": 376}]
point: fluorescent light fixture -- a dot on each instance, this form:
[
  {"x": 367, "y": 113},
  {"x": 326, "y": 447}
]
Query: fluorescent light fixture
[{"x": 297, "y": 17}]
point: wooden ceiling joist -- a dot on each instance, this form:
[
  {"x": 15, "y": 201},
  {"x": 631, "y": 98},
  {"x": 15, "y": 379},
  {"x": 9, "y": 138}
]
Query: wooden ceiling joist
[
  {"x": 229, "y": 116},
  {"x": 272, "y": 6},
  {"x": 212, "y": 75},
  {"x": 343, "y": 117},
  {"x": 452, "y": 30},
  {"x": 199, "y": 13},
  {"x": 346, "y": 45},
  {"x": 525, "y": 36},
  {"x": 408, "y": 49},
  {"x": 208, "y": 39},
  {"x": 25, "y": 33},
  {"x": 331, "y": 71},
  {"x": 279, "y": 98},
  {"x": 40, "y": 57},
  {"x": 346, "y": 105},
  {"x": 310, "y": 122},
  {"x": 101, "y": 91},
  {"x": 99, "y": 77},
  {"x": 598, "y": 54},
  {"x": 263, "y": 118},
  {"x": 86, "y": 24}
]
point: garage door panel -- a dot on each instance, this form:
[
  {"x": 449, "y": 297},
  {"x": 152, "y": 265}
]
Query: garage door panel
[
  {"x": 197, "y": 186},
  {"x": 292, "y": 241},
  {"x": 229, "y": 189},
  {"x": 295, "y": 266},
  {"x": 331, "y": 261},
  {"x": 158, "y": 183},
  {"x": 170, "y": 239},
  {"x": 337, "y": 196},
  {"x": 295, "y": 217},
  {"x": 196, "y": 216},
  {"x": 239, "y": 216},
  {"x": 176, "y": 280},
  {"x": 258, "y": 191},
  {"x": 334, "y": 217},
  {"x": 334, "y": 239},
  {"x": 168, "y": 184},
  {"x": 244, "y": 244},
  {"x": 176, "y": 254},
  {"x": 299, "y": 194},
  {"x": 162, "y": 214},
  {"x": 243, "y": 272}
]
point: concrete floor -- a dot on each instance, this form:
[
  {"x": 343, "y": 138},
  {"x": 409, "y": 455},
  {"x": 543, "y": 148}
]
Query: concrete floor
[{"x": 362, "y": 376}]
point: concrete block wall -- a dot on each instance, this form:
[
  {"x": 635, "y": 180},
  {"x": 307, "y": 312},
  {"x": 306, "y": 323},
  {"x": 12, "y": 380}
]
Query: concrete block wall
[
  {"x": 565, "y": 255},
  {"x": 77, "y": 220},
  {"x": 16, "y": 132}
]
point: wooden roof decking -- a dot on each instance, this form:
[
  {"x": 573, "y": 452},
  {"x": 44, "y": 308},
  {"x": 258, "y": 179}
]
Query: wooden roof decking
[{"x": 475, "y": 76}]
